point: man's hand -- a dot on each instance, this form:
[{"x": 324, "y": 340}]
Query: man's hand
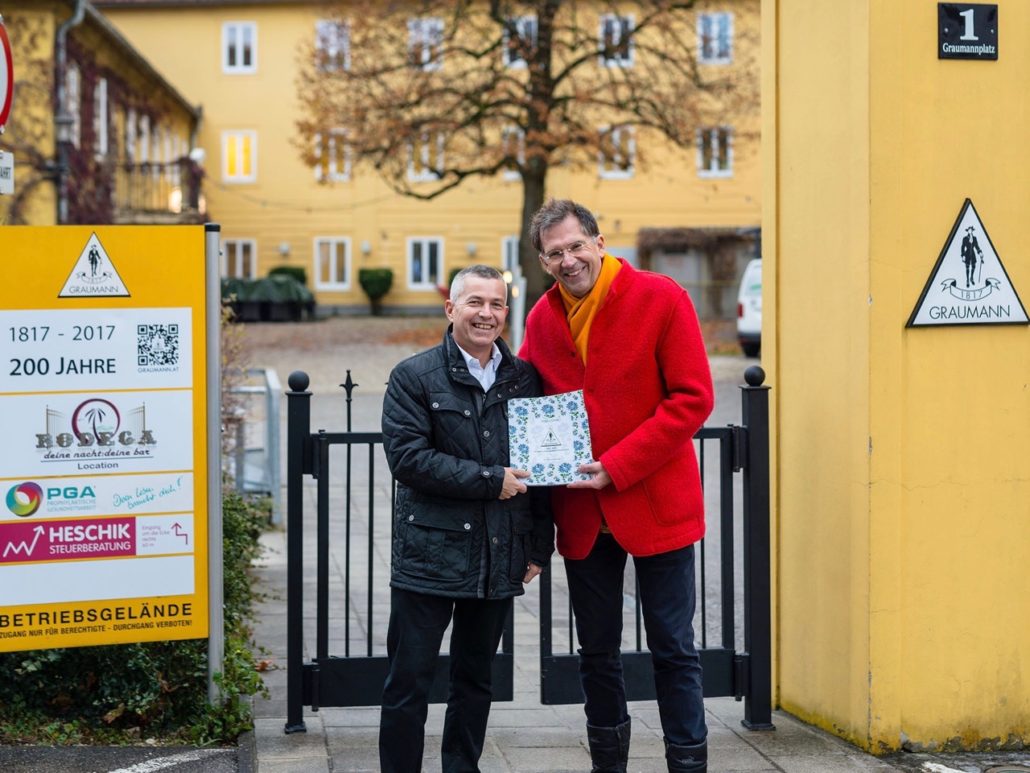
[
  {"x": 532, "y": 570},
  {"x": 600, "y": 480},
  {"x": 512, "y": 485}
]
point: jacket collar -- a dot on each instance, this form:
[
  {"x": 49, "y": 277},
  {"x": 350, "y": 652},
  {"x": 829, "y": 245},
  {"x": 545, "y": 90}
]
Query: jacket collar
[{"x": 456, "y": 363}]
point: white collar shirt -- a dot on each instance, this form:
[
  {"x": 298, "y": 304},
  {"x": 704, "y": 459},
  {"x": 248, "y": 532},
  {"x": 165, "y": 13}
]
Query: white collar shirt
[{"x": 484, "y": 375}]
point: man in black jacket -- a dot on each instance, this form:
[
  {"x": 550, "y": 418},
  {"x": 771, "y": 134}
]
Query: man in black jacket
[{"x": 467, "y": 534}]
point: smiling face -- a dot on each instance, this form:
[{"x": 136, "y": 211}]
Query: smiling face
[
  {"x": 478, "y": 315},
  {"x": 576, "y": 272}
]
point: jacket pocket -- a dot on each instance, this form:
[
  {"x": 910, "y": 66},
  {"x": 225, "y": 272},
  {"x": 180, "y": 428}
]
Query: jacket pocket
[
  {"x": 522, "y": 533},
  {"x": 436, "y": 544}
]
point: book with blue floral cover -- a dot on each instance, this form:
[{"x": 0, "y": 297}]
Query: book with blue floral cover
[{"x": 549, "y": 437}]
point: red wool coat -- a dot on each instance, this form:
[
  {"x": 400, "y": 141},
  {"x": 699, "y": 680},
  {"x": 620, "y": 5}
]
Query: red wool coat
[{"x": 648, "y": 389}]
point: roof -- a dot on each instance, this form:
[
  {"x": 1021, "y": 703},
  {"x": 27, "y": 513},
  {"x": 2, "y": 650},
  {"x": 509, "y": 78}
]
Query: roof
[{"x": 126, "y": 48}]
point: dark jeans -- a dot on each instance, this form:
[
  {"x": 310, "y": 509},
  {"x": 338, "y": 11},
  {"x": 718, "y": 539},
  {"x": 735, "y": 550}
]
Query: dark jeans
[
  {"x": 668, "y": 598},
  {"x": 417, "y": 624}
]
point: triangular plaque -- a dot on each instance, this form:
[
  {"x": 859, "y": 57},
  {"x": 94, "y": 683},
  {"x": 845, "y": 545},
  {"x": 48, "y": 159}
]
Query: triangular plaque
[{"x": 94, "y": 275}]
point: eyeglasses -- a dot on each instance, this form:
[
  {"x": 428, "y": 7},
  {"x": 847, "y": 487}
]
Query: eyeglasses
[{"x": 574, "y": 250}]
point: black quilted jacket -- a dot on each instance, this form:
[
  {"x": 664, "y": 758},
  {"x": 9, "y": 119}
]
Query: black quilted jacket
[{"x": 447, "y": 446}]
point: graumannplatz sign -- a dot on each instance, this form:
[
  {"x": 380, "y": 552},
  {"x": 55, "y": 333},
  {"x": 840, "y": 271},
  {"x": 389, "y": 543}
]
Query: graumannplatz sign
[{"x": 104, "y": 489}]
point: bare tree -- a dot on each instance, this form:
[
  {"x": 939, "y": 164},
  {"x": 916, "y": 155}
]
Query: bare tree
[{"x": 434, "y": 92}]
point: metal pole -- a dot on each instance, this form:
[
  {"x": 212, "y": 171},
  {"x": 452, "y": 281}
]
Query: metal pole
[
  {"x": 216, "y": 616},
  {"x": 298, "y": 432},
  {"x": 757, "y": 559}
]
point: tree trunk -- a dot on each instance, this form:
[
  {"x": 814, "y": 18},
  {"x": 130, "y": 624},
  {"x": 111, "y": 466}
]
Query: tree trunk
[{"x": 533, "y": 186}]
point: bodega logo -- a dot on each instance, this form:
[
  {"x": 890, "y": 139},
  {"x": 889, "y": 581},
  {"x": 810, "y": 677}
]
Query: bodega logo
[
  {"x": 96, "y": 429},
  {"x": 24, "y": 499}
]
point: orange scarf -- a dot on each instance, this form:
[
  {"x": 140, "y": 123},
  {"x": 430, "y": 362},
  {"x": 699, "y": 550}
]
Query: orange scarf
[{"x": 581, "y": 311}]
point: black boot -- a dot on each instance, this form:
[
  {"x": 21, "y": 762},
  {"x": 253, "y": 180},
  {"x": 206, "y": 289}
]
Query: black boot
[
  {"x": 687, "y": 759},
  {"x": 609, "y": 748}
]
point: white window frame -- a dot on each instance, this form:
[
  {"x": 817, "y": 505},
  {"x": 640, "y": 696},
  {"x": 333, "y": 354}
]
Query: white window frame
[
  {"x": 510, "y": 254},
  {"x": 607, "y": 167},
  {"x": 409, "y": 262},
  {"x": 238, "y": 28},
  {"x": 426, "y": 172},
  {"x": 526, "y": 27},
  {"x": 507, "y": 134},
  {"x": 425, "y": 35},
  {"x": 617, "y": 61},
  {"x": 332, "y": 42},
  {"x": 334, "y": 242},
  {"x": 250, "y": 134},
  {"x": 711, "y": 136},
  {"x": 130, "y": 135},
  {"x": 715, "y": 57},
  {"x": 241, "y": 271},
  {"x": 101, "y": 143},
  {"x": 334, "y": 159},
  {"x": 73, "y": 102}
]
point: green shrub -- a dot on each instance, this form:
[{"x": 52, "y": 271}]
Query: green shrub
[
  {"x": 120, "y": 692},
  {"x": 376, "y": 283},
  {"x": 297, "y": 272}
]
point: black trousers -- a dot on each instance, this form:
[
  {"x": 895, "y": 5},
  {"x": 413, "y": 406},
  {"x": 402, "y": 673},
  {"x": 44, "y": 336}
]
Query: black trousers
[
  {"x": 667, "y": 597},
  {"x": 417, "y": 625}
]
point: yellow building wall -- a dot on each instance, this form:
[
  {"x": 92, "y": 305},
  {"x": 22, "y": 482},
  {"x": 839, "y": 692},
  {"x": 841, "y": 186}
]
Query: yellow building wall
[
  {"x": 901, "y": 491},
  {"x": 286, "y": 206}
]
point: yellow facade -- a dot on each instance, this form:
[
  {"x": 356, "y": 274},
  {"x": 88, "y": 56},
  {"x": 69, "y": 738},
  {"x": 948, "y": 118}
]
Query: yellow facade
[
  {"x": 279, "y": 214},
  {"x": 102, "y": 156},
  {"x": 901, "y": 493}
]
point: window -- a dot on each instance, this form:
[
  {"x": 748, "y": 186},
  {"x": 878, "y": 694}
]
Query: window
[
  {"x": 519, "y": 40},
  {"x": 239, "y": 156},
  {"x": 425, "y": 262},
  {"x": 617, "y": 153},
  {"x": 616, "y": 40},
  {"x": 715, "y": 38},
  {"x": 333, "y": 156},
  {"x": 130, "y": 136},
  {"x": 715, "y": 152},
  {"x": 144, "y": 139},
  {"x": 332, "y": 45},
  {"x": 101, "y": 146},
  {"x": 239, "y": 258},
  {"x": 510, "y": 254},
  {"x": 425, "y": 158},
  {"x": 425, "y": 43},
  {"x": 73, "y": 103},
  {"x": 239, "y": 47},
  {"x": 332, "y": 263},
  {"x": 513, "y": 142}
]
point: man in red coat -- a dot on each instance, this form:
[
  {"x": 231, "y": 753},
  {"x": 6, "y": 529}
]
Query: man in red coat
[{"x": 630, "y": 340}]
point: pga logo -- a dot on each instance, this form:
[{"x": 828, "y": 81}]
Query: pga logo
[{"x": 25, "y": 499}]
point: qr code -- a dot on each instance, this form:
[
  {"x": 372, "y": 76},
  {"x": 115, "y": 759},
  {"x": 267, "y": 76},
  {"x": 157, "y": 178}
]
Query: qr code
[{"x": 157, "y": 345}]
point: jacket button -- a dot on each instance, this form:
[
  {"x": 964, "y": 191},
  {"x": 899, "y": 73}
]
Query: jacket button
[
  {"x": 468, "y": 413},
  {"x": 494, "y": 540},
  {"x": 436, "y": 405},
  {"x": 486, "y": 473},
  {"x": 468, "y": 526},
  {"x": 411, "y": 518},
  {"x": 486, "y": 433}
]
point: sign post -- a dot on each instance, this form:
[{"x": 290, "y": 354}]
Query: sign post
[{"x": 108, "y": 514}]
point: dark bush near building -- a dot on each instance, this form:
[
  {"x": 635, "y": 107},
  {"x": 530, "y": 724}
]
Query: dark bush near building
[{"x": 376, "y": 283}]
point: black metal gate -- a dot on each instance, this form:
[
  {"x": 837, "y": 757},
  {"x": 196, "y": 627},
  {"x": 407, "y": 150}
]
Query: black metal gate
[{"x": 356, "y": 679}]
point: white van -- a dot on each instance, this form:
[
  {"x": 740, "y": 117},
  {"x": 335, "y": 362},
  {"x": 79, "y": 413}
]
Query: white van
[{"x": 749, "y": 309}]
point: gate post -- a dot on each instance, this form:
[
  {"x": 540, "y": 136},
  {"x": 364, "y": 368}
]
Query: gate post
[
  {"x": 298, "y": 431},
  {"x": 757, "y": 593}
]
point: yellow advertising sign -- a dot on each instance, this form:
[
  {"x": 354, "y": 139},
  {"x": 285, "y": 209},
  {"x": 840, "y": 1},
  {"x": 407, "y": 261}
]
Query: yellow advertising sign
[{"x": 103, "y": 472}]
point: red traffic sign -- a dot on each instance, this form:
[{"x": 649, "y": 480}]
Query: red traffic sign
[{"x": 6, "y": 75}]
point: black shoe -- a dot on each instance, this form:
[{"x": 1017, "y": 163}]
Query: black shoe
[
  {"x": 687, "y": 759},
  {"x": 609, "y": 748}
]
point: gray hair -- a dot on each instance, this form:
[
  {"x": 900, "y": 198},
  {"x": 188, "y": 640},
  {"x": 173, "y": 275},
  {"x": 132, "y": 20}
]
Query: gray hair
[
  {"x": 484, "y": 272},
  {"x": 555, "y": 211}
]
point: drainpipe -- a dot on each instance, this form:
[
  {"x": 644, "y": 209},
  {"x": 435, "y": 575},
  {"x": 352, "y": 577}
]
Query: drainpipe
[{"x": 63, "y": 120}]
